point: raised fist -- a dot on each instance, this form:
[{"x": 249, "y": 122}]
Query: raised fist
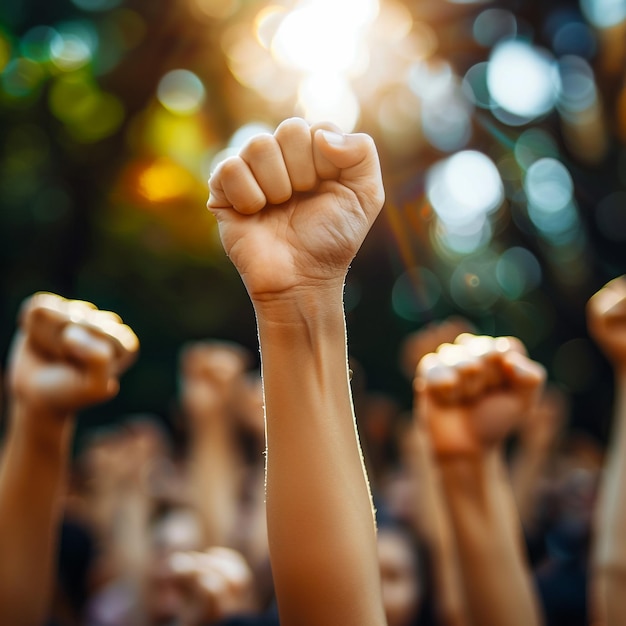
[
  {"x": 475, "y": 392},
  {"x": 67, "y": 355},
  {"x": 606, "y": 319},
  {"x": 295, "y": 206},
  {"x": 210, "y": 372}
]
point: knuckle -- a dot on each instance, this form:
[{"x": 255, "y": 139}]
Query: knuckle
[{"x": 259, "y": 147}]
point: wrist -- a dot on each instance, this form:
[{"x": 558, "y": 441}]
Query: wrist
[
  {"x": 40, "y": 426},
  {"x": 301, "y": 305}
]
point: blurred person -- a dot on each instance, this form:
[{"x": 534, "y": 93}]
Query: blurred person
[
  {"x": 127, "y": 473},
  {"x": 471, "y": 395},
  {"x": 209, "y": 373},
  {"x": 293, "y": 208},
  {"x": 606, "y": 322},
  {"x": 222, "y": 407},
  {"x": 66, "y": 355}
]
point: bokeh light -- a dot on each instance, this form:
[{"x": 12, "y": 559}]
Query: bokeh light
[
  {"x": 518, "y": 271},
  {"x": 522, "y": 80},
  {"x": 181, "y": 92},
  {"x": 74, "y": 45},
  {"x": 492, "y": 25},
  {"x": 549, "y": 185},
  {"x": 604, "y": 13},
  {"x": 464, "y": 187},
  {"x": 415, "y": 294}
]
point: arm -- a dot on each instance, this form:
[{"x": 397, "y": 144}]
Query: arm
[
  {"x": 606, "y": 315},
  {"x": 209, "y": 373},
  {"x": 471, "y": 395},
  {"x": 537, "y": 439},
  {"x": 66, "y": 355},
  {"x": 293, "y": 208},
  {"x": 430, "y": 516}
]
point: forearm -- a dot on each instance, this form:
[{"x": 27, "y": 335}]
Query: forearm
[
  {"x": 214, "y": 480},
  {"x": 496, "y": 583},
  {"x": 320, "y": 518},
  {"x": 430, "y": 519},
  {"x": 526, "y": 470},
  {"x": 34, "y": 468},
  {"x": 609, "y": 554}
]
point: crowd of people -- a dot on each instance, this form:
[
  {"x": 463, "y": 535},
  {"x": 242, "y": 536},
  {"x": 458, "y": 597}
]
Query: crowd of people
[{"x": 295, "y": 495}]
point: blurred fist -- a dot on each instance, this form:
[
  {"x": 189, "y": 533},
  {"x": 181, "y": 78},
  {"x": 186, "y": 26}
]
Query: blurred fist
[
  {"x": 210, "y": 372},
  {"x": 293, "y": 207},
  {"x": 473, "y": 393},
  {"x": 67, "y": 354},
  {"x": 606, "y": 319},
  {"x": 214, "y": 585}
]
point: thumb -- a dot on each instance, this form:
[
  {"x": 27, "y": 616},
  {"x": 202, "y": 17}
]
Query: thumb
[{"x": 356, "y": 157}]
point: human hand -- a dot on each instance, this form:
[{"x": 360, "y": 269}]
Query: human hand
[
  {"x": 472, "y": 394},
  {"x": 67, "y": 355},
  {"x": 210, "y": 373},
  {"x": 606, "y": 320},
  {"x": 213, "y": 585},
  {"x": 294, "y": 207}
]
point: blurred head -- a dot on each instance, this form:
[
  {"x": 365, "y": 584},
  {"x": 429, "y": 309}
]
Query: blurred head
[{"x": 401, "y": 575}]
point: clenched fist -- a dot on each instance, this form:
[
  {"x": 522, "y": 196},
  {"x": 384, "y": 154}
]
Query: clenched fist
[
  {"x": 294, "y": 206},
  {"x": 67, "y": 355},
  {"x": 473, "y": 393}
]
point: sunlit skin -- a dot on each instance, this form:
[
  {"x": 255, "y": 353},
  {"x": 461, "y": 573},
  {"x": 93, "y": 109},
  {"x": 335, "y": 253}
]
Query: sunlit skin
[
  {"x": 606, "y": 322},
  {"x": 293, "y": 209},
  {"x": 66, "y": 355},
  {"x": 472, "y": 394}
]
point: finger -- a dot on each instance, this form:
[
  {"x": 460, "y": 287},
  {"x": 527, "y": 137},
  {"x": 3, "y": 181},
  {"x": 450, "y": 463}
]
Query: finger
[
  {"x": 437, "y": 380},
  {"x": 96, "y": 356},
  {"x": 485, "y": 349},
  {"x": 42, "y": 319},
  {"x": 295, "y": 141},
  {"x": 610, "y": 302},
  {"x": 233, "y": 185},
  {"x": 356, "y": 157},
  {"x": 508, "y": 344},
  {"x": 325, "y": 168},
  {"x": 473, "y": 378},
  {"x": 265, "y": 159},
  {"x": 125, "y": 342},
  {"x": 523, "y": 373}
]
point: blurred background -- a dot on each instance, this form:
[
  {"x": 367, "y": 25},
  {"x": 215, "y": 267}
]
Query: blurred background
[{"x": 502, "y": 133}]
